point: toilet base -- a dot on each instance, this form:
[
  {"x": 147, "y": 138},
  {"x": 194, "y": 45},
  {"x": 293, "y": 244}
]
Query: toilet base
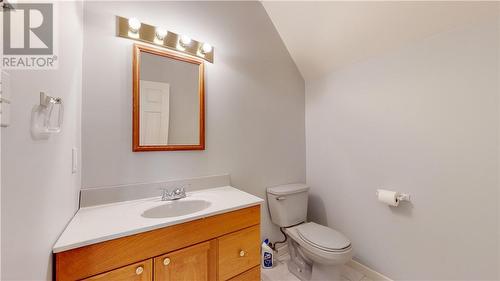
[
  {"x": 307, "y": 270},
  {"x": 303, "y": 272},
  {"x": 297, "y": 264},
  {"x": 323, "y": 272},
  {"x": 316, "y": 272}
]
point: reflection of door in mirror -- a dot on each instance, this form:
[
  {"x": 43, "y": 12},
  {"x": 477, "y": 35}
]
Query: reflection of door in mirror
[{"x": 154, "y": 115}]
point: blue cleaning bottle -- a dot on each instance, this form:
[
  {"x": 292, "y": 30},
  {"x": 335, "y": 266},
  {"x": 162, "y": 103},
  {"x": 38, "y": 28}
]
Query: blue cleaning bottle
[{"x": 267, "y": 255}]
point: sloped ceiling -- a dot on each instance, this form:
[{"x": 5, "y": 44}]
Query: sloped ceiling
[{"x": 325, "y": 36}]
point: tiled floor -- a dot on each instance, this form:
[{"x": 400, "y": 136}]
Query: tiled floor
[{"x": 280, "y": 273}]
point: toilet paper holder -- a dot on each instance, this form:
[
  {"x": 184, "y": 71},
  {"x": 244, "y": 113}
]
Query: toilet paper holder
[
  {"x": 404, "y": 197},
  {"x": 399, "y": 196}
]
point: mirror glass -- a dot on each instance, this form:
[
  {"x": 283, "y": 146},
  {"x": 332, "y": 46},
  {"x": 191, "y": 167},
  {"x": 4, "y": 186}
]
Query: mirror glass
[{"x": 169, "y": 101}]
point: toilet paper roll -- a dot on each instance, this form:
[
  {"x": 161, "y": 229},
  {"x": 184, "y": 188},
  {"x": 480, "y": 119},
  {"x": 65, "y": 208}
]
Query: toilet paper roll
[{"x": 388, "y": 197}]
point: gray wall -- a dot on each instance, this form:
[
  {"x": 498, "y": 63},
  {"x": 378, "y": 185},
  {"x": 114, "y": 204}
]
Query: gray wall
[
  {"x": 255, "y": 99},
  {"x": 422, "y": 120},
  {"x": 184, "y": 103},
  {"x": 39, "y": 192}
]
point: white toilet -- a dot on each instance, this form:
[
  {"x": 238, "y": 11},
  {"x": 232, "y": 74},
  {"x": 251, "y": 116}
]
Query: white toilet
[{"x": 317, "y": 252}]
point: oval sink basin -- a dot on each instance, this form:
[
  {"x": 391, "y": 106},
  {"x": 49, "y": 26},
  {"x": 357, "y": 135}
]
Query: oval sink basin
[{"x": 176, "y": 209}]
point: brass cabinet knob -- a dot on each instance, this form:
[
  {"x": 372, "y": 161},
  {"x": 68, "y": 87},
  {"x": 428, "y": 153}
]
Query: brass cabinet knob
[
  {"x": 166, "y": 261},
  {"x": 139, "y": 270},
  {"x": 242, "y": 253}
]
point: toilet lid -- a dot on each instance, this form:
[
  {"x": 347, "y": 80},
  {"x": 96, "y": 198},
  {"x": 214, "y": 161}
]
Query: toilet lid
[{"x": 323, "y": 237}]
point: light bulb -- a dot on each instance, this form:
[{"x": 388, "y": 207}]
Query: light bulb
[
  {"x": 134, "y": 24},
  {"x": 160, "y": 33},
  {"x": 185, "y": 40},
  {"x": 206, "y": 48}
]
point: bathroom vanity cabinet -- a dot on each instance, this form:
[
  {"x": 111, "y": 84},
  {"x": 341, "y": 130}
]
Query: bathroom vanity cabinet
[{"x": 220, "y": 247}]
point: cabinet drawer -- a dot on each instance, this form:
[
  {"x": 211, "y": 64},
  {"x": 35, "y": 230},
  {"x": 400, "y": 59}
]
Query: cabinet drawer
[
  {"x": 141, "y": 271},
  {"x": 250, "y": 275},
  {"x": 239, "y": 252}
]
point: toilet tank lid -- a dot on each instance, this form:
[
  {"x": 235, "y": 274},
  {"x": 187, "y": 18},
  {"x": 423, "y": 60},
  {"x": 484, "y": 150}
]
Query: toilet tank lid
[{"x": 287, "y": 189}]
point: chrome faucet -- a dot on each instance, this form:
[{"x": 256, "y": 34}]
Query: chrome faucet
[{"x": 175, "y": 194}]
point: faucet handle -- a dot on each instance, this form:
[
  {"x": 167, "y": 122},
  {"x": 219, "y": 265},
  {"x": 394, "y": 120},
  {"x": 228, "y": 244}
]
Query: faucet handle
[
  {"x": 179, "y": 190},
  {"x": 164, "y": 193}
]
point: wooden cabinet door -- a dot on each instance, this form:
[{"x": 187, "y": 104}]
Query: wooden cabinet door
[
  {"x": 141, "y": 271},
  {"x": 194, "y": 263}
]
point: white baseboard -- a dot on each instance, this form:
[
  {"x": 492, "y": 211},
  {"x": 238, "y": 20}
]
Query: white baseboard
[{"x": 368, "y": 272}]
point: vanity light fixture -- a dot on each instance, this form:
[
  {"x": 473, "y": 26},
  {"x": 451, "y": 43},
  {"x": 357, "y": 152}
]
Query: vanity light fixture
[
  {"x": 133, "y": 29},
  {"x": 134, "y": 25},
  {"x": 206, "y": 48},
  {"x": 185, "y": 41},
  {"x": 160, "y": 34}
]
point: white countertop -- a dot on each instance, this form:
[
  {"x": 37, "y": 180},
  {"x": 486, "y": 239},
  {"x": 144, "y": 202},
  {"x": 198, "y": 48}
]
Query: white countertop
[{"x": 100, "y": 223}]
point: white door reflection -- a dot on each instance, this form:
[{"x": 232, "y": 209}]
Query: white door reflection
[{"x": 154, "y": 114}]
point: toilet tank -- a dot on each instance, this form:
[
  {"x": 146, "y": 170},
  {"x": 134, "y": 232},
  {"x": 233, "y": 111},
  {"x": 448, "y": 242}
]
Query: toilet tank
[{"x": 288, "y": 204}]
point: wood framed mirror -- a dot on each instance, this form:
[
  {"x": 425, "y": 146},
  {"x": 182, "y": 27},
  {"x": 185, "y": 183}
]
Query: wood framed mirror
[{"x": 168, "y": 100}]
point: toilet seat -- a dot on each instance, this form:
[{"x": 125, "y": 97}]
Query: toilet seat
[{"x": 322, "y": 237}]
